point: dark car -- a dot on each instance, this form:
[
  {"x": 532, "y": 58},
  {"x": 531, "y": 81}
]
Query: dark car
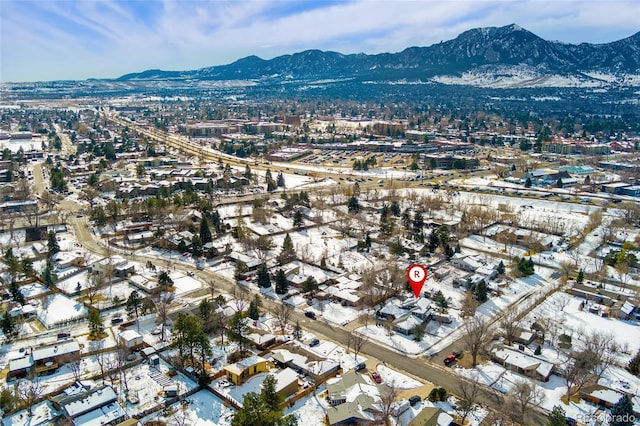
[
  {"x": 376, "y": 377},
  {"x": 314, "y": 342},
  {"x": 571, "y": 421},
  {"x": 64, "y": 335},
  {"x": 450, "y": 359},
  {"x": 310, "y": 314},
  {"x": 360, "y": 366},
  {"x": 414, "y": 400},
  {"x": 117, "y": 320}
]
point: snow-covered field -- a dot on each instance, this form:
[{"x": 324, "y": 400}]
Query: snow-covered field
[
  {"x": 202, "y": 408},
  {"x": 58, "y": 308}
]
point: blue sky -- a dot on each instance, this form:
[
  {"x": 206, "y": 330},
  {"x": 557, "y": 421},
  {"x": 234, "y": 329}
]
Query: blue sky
[{"x": 78, "y": 39}]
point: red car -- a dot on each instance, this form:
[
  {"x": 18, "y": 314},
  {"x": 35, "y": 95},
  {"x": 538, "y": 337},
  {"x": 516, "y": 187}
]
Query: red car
[
  {"x": 376, "y": 377},
  {"x": 450, "y": 359}
]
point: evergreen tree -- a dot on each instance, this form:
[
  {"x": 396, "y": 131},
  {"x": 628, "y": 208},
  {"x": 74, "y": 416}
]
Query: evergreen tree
[
  {"x": 196, "y": 246},
  {"x": 527, "y": 183},
  {"x": 309, "y": 285},
  {"x": 96, "y": 329},
  {"x": 280, "y": 180},
  {"x": 16, "y": 294},
  {"x": 240, "y": 270},
  {"x": 7, "y": 324},
  {"x": 298, "y": 220},
  {"x": 480, "y": 291},
  {"x": 272, "y": 399},
  {"x": 559, "y": 183},
  {"x": 164, "y": 279},
  {"x": 282, "y": 285},
  {"x": 580, "y": 277},
  {"x": 253, "y": 311},
  {"x": 501, "y": 268},
  {"x": 395, "y": 208},
  {"x": 353, "y": 205},
  {"x": 205, "y": 232},
  {"x": 287, "y": 254},
  {"x": 264, "y": 281},
  {"x": 557, "y": 417},
  {"x": 48, "y": 276},
  {"x": 27, "y": 267},
  {"x": 622, "y": 412},
  {"x": 433, "y": 241},
  {"x": 133, "y": 303},
  {"x": 52, "y": 243}
]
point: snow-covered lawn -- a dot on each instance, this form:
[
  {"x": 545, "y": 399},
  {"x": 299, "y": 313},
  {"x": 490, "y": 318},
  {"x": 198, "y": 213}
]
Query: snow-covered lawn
[
  {"x": 396, "y": 379},
  {"x": 571, "y": 320},
  {"x": 237, "y": 393},
  {"x": 147, "y": 383},
  {"x": 58, "y": 308},
  {"x": 309, "y": 411},
  {"x": 202, "y": 408},
  {"x": 396, "y": 341}
]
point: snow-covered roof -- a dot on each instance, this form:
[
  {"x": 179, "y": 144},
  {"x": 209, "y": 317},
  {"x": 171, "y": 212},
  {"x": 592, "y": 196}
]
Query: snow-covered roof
[
  {"x": 627, "y": 308},
  {"x": 101, "y": 416},
  {"x": 284, "y": 378},
  {"x": 243, "y": 364},
  {"x": 56, "y": 349},
  {"x": 608, "y": 395},
  {"x": 94, "y": 399},
  {"x": 130, "y": 335},
  {"x": 524, "y": 361},
  {"x": 20, "y": 363}
]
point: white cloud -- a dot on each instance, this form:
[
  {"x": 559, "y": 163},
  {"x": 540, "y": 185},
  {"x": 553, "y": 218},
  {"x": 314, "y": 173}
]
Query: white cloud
[{"x": 59, "y": 40}]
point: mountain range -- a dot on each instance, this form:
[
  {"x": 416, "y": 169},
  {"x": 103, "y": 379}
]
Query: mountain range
[{"x": 507, "y": 57}]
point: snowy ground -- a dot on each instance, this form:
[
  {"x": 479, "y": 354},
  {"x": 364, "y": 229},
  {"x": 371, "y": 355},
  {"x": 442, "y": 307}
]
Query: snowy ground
[
  {"x": 58, "y": 308},
  {"x": 309, "y": 411},
  {"x": 200, "y": 409}
]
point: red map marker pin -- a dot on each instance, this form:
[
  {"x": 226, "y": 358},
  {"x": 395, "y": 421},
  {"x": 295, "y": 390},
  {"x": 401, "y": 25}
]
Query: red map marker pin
[{"x": 417, "y": 275}]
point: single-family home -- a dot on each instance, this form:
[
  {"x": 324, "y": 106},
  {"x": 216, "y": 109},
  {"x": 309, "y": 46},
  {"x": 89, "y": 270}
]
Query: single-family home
[
  {"x": 243, "y": 369},
  {"x": 286, "y": 382},
  {"x": 520, "y": 362}
]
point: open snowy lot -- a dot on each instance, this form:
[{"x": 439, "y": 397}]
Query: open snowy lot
[
  {"x": 58, "y": 309},
  {"x": 202, "y": 408}
]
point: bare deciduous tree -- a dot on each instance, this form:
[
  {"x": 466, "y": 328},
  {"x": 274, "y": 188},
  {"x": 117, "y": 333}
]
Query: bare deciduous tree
[
  {"x": 510, "y": 324},
  {"x": 162, "y": 310},
  {"x": 74, "y": 363},
  {"x": 283, "y": 313},
  {"x": 578, "y": 370},
  {"x": 475, "y": 336},
  {"x": 387, "y": 398},
  {"x": 29, "y": 391},
  {"x": 468, "y": 391},
  {"x": 524, "y": 396}
]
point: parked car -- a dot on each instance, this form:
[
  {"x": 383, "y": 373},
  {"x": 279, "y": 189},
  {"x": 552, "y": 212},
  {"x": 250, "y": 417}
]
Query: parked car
[
  {"x": 376, "y": 377},
  {"x": 413, "y": 400},
  {"x": 450, "y": 359},
  {"x": 64, "y": 335},
  {"x": 360, "y": 367},
  {"x": 117, "y": 320},
  {"x": 314, "y": 342},
  {"x": 310, "y": 314}
]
